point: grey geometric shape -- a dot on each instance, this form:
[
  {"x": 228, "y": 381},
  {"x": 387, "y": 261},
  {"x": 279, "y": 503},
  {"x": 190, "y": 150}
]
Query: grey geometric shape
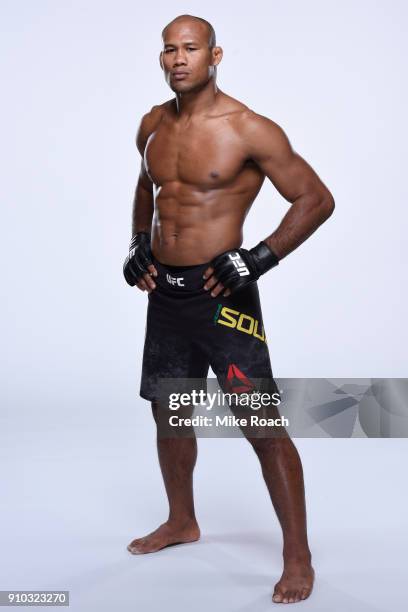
[
  {"x": 383, "y": 411},
  {"x": 341, "y": 425},
  {"x": 325, "y": 411}
]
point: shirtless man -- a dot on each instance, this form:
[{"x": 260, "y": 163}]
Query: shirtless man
[{"x": 204, "y": 159}]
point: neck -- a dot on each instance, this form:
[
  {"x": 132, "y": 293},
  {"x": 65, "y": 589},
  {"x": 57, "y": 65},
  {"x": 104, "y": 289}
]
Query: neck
[{"x": 193, "y": 102}]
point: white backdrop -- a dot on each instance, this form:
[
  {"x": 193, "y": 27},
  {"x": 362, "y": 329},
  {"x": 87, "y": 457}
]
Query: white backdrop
[{"x": 77, "y": 76}]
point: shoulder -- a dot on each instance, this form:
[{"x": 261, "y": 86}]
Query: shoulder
[
  {"x": 252, "y": 125},
  {"x": 149, "y": 123},
  {"x": 260, "y": 134}
]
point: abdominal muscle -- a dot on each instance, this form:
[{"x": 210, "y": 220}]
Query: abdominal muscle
[{"x": 195, "y": 228}]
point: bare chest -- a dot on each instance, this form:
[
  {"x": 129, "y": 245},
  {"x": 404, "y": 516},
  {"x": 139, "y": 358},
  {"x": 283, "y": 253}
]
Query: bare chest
[{"x": 207, "y": 155}]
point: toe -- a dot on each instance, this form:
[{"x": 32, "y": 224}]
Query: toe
[
  {"x": 277, "y": 597},
  {"x": 137, "y": 548},
  {"x": 136, "y": 541},
  {"x": 134, "y": 550},
  {"x": 304, "y": 593}
]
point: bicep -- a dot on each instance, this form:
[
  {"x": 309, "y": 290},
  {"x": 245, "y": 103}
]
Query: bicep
[
  {"x": 144, "y": 181},
  {"x": 271, "y": 150},
  {"x": 145, "y": 130}
]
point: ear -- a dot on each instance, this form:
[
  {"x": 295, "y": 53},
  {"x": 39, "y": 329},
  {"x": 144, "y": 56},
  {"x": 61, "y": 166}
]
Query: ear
[
  {"x": 216, "y": 54},
  {"x": 161, "y": 60}
]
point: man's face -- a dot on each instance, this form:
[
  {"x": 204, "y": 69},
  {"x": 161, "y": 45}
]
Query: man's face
[{"x": 186, "y": 58}]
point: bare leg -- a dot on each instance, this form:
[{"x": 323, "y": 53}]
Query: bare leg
[
  {"x": 177, "y": 458},
  {"x": 283, "y": 474}
]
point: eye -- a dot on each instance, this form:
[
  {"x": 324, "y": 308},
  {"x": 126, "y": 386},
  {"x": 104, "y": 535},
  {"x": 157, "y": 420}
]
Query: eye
[
  {"x": 191, "y": 48},
  {"x": 168, "y": 50}
]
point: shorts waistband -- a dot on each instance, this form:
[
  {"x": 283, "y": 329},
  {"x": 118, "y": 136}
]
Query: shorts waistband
[{"x": 180, "y": 279}]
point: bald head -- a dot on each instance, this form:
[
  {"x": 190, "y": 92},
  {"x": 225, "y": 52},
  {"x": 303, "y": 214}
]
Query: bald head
[
  {"x": 189, "y": 57},
  {"x": 210, "y": 32}
]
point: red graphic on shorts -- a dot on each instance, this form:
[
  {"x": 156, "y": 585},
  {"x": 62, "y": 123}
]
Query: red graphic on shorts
[{"x": 236, "y": 381}]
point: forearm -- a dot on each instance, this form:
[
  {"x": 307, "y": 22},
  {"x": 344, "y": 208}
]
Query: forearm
[{"x": 303, "y": 218}]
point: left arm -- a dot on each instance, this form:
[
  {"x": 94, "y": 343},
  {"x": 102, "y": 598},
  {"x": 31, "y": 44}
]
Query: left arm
[{"x": 312, "y": 203}]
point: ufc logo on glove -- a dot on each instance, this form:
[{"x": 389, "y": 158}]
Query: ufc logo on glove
[{"x": 239, "y": 264}]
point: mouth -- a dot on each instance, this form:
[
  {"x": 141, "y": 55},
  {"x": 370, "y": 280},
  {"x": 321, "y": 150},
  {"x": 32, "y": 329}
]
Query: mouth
[{"x": 179, "y": 76}]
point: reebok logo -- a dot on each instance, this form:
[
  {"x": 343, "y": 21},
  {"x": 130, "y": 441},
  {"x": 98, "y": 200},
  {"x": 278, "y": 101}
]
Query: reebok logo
[
  {"x": 236, "y": 381},
  {"x": 239, "y": 264},
  {"x": 175, "y": 280}
]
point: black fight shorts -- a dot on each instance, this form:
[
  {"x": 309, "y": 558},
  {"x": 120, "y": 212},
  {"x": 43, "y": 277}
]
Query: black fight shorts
[{"x": 187, "y": 331}]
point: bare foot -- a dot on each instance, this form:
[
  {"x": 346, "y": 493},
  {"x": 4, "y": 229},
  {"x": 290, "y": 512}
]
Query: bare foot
[
  {"x": 167, "y": 534},
  {"x": 296, "y": 582}
]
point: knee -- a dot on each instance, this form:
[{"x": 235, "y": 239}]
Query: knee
[{"x": 165, "y": 429}]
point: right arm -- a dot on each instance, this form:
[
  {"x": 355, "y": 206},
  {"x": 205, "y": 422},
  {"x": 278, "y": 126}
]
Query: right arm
[{"x": 143, "y": 202}]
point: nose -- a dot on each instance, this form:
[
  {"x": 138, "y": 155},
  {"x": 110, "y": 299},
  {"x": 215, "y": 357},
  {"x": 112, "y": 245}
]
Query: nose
[{"x": 180, "y": 58}]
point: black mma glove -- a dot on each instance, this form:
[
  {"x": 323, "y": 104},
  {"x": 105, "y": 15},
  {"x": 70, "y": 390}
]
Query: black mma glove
[
  {"x": 237, "y": 268},
  {"x": 140, "y": 256}
]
